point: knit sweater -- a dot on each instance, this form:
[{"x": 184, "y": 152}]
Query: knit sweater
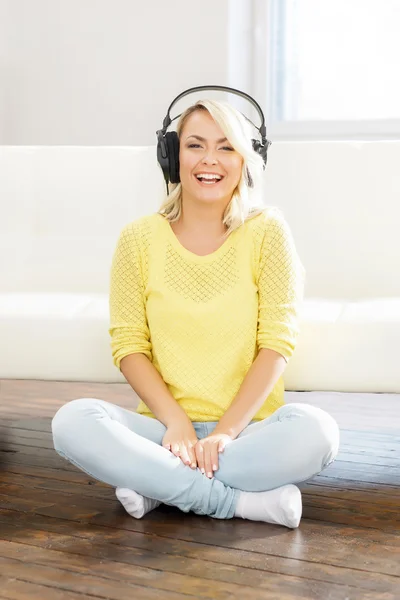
[{"x": 201, "y": 320}]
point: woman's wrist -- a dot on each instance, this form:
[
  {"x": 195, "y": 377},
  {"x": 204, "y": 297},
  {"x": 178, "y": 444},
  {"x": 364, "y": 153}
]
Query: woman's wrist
[{"x": 177, "y": 416}]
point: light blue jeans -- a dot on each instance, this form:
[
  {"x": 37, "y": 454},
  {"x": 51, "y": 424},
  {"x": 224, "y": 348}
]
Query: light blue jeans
[{"x": 124, "y": 449}]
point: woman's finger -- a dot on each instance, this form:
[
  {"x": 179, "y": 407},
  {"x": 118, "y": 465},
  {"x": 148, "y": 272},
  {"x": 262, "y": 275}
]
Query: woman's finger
[
  {"x": 175, "y": 449},
  {"x": 200, "y": 457},
  {"x": 184, "y": 454},
  {"x": 214, "y": 457},
  {"x": 192, "y": 456},
  {"x": 207, "y": 461}
]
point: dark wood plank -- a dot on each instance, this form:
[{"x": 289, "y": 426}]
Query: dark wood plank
[
  {"x": 52, "y": 474},
  {"x": 17, "y": 589}
]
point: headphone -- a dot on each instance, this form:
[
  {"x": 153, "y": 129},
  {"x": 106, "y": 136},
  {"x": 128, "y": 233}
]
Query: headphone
[{"x": 168, "y": 142}]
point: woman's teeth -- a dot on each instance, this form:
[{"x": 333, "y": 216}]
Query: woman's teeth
[{"x": 208, "y": 179}]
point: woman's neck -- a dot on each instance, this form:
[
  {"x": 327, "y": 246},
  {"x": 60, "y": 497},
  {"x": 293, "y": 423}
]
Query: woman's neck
[{"x": 203, "y": 220}]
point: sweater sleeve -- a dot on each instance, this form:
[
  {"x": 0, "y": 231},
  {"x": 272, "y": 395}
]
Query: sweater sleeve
[
  {"x": 281, "y": 280},
  {"x": 128, "y": 323}
]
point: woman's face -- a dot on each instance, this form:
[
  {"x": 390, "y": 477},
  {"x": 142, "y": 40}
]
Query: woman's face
[{"x": 203, "y": 149}]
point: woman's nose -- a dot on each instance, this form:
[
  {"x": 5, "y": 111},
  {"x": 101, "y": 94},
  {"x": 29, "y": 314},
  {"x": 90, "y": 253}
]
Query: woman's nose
[{"x": 209, "y": 157}]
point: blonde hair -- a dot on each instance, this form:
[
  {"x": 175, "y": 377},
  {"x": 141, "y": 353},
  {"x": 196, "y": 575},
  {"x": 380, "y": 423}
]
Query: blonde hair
[{"x": 246, "y": 201}]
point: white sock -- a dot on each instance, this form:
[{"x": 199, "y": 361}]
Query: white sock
[
  {"x": 282, "y": 506},
  {"x": 135, "y": 504}
]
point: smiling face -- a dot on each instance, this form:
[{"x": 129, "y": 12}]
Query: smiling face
[{"x": 204, "y": 150}]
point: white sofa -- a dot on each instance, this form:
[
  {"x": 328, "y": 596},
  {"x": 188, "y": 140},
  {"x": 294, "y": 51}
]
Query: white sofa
[{"x": 61, "y": 211}]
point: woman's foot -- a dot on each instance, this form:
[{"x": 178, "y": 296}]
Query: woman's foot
[
  {"x": 135, "y": 504},
  {"x": 282, "y": 506}
]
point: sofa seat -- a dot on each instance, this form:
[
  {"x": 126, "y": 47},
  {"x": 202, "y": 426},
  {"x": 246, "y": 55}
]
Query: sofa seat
[{"x": 343, "y": 345}]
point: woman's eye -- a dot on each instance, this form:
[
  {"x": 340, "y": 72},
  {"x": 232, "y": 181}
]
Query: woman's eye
[{"x": 198, "y": 146}]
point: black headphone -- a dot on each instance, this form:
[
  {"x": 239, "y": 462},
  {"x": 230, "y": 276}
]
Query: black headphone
[{"x": 168, "y": 143}]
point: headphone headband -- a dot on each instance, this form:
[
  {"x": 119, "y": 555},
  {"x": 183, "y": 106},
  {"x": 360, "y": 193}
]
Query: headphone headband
[{"x": 220, "y": 88}]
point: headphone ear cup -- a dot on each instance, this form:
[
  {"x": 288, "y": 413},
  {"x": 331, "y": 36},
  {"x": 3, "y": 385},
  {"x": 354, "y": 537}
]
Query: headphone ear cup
[
  {"x": 162, "y": 155},
  {"x": 173, "y": 155}
]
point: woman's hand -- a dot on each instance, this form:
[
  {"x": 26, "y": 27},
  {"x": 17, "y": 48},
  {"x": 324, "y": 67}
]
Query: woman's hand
[
  {"x": 207, "y": 451},
  {"x": 180, "y": 438}
]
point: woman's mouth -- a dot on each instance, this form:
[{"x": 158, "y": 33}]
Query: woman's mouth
[{"x": 208, "y": 179}]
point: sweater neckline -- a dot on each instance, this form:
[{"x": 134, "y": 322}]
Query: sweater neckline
[{"x": 188, "y": 253}]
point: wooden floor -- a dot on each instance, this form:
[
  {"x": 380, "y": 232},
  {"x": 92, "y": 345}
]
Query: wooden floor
[{"x": 65, "y": 536}]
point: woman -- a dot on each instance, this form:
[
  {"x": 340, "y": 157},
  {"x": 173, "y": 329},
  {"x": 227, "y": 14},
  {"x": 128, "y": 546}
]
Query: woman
[{"x": 204, "y": 304}]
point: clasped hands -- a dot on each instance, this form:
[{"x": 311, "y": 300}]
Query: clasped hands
[{"x": 182, "y": 441}]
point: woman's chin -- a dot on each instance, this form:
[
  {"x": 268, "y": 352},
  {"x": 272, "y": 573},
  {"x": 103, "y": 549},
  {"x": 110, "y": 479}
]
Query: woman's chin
[
  {"x": 209, "y": 197},
  {"x": 208, "y": 194}
]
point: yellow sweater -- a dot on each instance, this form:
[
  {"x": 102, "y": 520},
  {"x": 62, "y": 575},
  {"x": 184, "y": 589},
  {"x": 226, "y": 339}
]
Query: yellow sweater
[{"x": 202, "y": 319}]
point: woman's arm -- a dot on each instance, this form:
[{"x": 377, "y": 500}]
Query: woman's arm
[
  {"x": 147, "y": 382},
  {"x": 256, "y": 387},
  {"x": 130, "y": 337},
  {"x": 281, "y": 280},
  {"x": 281, "y": 283}
]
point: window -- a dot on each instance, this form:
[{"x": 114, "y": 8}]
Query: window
[{"x": 321, "y": 69}]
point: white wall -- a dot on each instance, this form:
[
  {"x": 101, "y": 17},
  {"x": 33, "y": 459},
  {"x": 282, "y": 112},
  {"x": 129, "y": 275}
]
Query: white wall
[{"x": 103, "y": 72}]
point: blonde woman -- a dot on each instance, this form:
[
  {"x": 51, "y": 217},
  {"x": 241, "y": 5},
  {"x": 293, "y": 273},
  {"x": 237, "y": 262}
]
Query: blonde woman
[{"x": 204, "y": 305}]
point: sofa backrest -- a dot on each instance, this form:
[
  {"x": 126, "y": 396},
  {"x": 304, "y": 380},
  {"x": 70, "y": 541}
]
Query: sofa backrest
[{"x": 62, "y": 209}]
